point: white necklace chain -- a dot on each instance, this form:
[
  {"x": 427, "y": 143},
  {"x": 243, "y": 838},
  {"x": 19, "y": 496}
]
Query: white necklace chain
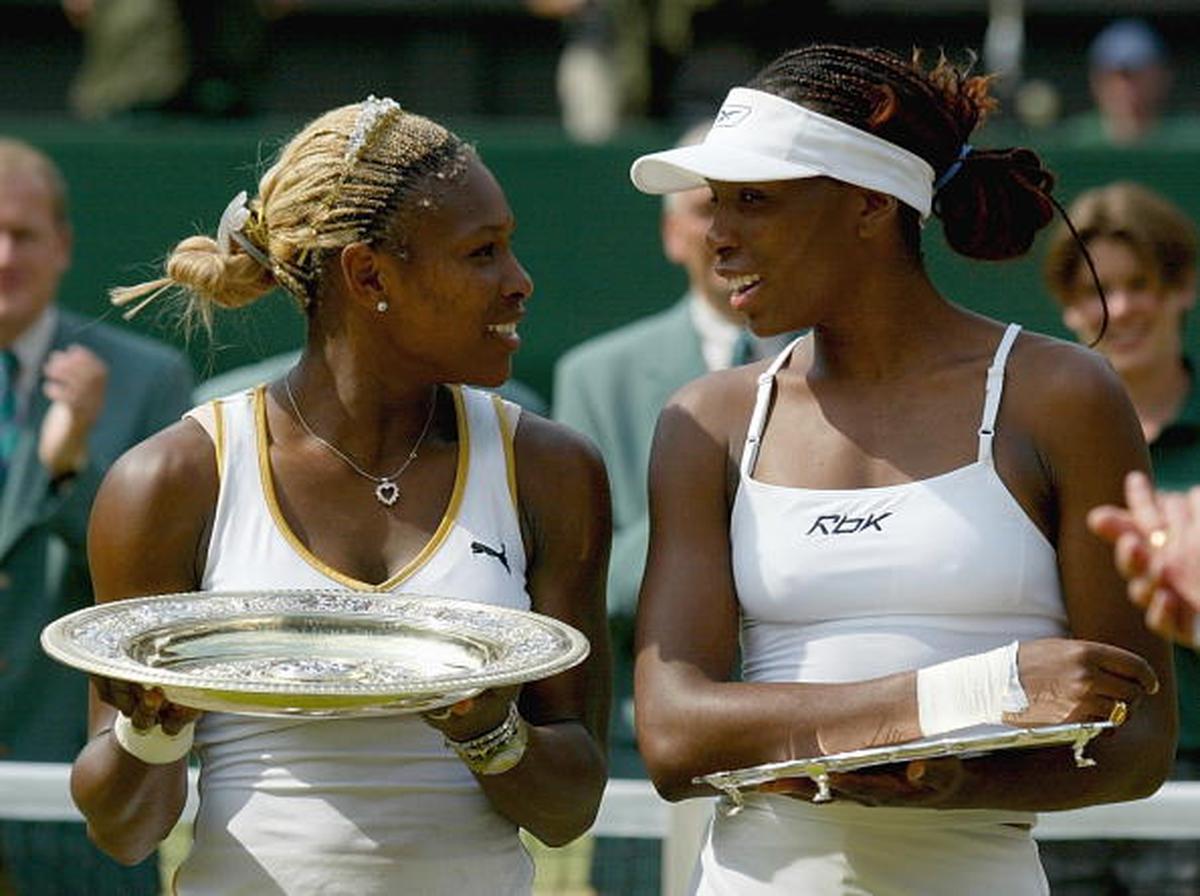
[{"x": 386, "y": 490}]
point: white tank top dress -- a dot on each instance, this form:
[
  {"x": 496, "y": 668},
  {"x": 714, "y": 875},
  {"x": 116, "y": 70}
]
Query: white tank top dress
[
  {"x": 839, "y": 585},
  {"x": 368, "y": 805}
]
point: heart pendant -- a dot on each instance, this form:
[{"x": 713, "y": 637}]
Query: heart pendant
[{"x": 387, "y": 492}]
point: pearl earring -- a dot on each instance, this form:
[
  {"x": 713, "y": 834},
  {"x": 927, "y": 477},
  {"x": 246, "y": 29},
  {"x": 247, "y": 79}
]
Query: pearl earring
[{"x": 381, "y": 306}]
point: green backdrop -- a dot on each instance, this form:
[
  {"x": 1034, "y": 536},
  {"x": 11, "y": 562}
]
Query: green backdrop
[{"x": 587, "y": 237}]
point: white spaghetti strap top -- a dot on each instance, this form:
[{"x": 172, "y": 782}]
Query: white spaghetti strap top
[
  {"x": 850, "y": 584},
  {"x": 994, "y": 390},
  {"x": 842, "y": 585},
  {"x": 364, "y": 805}
]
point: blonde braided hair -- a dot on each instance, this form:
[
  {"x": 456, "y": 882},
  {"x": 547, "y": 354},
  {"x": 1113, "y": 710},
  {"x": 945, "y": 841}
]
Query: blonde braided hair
[{"x": 350, "y": 175}]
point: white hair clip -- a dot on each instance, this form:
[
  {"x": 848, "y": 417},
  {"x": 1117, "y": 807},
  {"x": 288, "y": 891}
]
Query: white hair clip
[
  {"x": 229, "y": 230},
  {"x": 233, "y": 219},
  {"x": 373, "y": 110}
]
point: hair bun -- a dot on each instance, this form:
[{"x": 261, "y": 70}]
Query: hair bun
[{"x": 995, "y": 205}]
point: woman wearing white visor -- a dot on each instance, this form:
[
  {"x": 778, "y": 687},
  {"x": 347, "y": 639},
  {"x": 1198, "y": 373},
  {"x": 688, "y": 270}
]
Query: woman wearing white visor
[{"x": 895, "y": 549}]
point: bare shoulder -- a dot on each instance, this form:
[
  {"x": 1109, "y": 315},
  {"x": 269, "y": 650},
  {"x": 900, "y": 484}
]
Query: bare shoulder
[
  {"x": 1061, "y": 378},
  {"x": 718, "y": 404},
  {"x": 1043, "y": 355},
  {"x": 566, "y": 518},
  {"x": 1073, "y": 404},
  {"x": 560, "y": 474},
  {"x": 173, "y": 464},
  {"x": 546, "y": 447},
  {"x": 151, "y": 518}
]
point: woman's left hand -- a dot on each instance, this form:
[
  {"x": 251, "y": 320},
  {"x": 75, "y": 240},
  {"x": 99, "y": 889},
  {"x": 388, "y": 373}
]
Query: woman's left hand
[{"x": 473, "y": 716}]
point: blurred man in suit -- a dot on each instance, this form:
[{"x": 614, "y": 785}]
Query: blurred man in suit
[{"x": 74, "y": 394}]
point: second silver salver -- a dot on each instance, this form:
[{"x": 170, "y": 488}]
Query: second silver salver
[
  {"x": 965, "y": 744},
  {"x": 313, "y": 653}
]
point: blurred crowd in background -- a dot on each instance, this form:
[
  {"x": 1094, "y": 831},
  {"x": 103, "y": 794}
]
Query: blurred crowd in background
[{"x": 595, "y": 65}]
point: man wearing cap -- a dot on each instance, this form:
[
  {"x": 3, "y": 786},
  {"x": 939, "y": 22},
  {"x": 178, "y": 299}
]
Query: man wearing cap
[{"x": 1130, "y": 78}]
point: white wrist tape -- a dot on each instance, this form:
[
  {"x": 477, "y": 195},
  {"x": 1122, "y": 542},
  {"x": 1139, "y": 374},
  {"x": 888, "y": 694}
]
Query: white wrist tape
[
  {"x": 970, "y": 690},
  {"x": 153, "y": 745}
]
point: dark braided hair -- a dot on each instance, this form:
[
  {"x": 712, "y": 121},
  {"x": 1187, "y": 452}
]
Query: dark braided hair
[{"x": 996, "y": 202}]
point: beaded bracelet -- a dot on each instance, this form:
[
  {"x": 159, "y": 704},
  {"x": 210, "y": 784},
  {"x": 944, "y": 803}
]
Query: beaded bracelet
[{"x": 495, "y": 752}]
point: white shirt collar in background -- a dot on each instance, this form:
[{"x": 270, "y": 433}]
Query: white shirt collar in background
[
  {"x": 31, "y": 348},
  {"x": 718, "y": 335}
]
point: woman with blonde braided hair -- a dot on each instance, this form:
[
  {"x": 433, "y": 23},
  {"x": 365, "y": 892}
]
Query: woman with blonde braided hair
[
  {"x": 887, "y": 522},
  {"x": 362, "y": 468}
]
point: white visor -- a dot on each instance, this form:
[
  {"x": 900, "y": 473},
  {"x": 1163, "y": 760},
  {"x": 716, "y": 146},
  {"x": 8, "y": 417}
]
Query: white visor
[{"x": 758, "y": 136}]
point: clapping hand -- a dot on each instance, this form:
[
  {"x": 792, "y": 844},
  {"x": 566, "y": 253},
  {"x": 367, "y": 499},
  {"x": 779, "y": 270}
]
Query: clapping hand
[
  {"x": 75, "y": 382},
  {"x": 1156, "y": 547}
]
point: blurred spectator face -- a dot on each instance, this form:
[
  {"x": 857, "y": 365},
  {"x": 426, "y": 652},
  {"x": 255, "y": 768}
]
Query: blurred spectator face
[
  {"x": 1130, "y": 79},
  {"x": 1145, "y": 326},
  {"x": 1131, "y": 100},
  {"x": 35, "y": 249},
  {"x": 686, "y": 219}
]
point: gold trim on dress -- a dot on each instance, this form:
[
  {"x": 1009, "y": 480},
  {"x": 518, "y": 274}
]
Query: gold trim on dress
[
  {"x": 219, "y": 438},
  {"x": 510, "y": 454},
  {"x": 431, "y": 546}
]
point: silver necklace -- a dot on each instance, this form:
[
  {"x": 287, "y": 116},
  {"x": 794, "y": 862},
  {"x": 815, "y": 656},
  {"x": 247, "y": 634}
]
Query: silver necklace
[{"x": 386, "y": 490}]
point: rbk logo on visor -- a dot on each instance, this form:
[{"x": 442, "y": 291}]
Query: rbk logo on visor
[{"x": 731, "y": 116}]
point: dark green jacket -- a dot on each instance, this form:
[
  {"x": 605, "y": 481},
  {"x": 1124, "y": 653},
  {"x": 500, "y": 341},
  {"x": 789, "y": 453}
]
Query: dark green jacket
[{"x": 43, "y": 556}]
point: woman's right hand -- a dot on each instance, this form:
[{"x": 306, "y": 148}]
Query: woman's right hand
[
  {"x": 1068, "y": 680},
  {"x": 145, "y": 707}
]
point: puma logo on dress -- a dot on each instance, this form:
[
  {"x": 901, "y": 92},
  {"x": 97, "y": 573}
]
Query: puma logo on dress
[{"x": 478, "y": 547}]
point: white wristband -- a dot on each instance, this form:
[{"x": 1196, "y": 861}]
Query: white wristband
[
  {"x": 153, "y": 746},
  {"x": 970, "y": 690}
]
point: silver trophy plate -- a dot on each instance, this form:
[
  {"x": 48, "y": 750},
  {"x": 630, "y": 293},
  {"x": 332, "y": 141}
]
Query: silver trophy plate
[
  {"x": 313, "y": 653},
  {"x": 965, "y": 744}
]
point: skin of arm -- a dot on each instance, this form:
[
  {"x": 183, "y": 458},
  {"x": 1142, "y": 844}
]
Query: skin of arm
[
  {"x": 554, "y": 791},
  {"x": 1087, "y": 436},
  {"x": 579, "y": 397},
  {"x": 147, "y": 526},
  {"x": 693, "y": 720}
]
